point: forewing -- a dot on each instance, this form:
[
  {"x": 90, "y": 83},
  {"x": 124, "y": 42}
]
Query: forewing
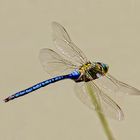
[
  {"x": 60, "y": 32},
  {"x": 65, "y": 46},
  {"x": 53, "y": 63},
  {"x": 122, "y": 87},
  {"x": 110, "y": 88}
]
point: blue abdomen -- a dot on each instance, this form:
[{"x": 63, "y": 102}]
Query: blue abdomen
[{"x": 74, "y": 75}]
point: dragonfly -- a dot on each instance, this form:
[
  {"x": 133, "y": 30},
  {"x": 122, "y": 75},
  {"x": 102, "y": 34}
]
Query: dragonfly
[{"x": 69, "y": 62}]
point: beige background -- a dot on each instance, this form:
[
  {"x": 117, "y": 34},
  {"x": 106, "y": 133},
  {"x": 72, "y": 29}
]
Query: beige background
[{"x": 105, "y": 30}]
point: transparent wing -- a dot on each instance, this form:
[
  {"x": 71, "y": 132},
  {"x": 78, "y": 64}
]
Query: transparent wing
[
  {"x": 113, "y": 86},
  {"x": 110, "y": 88},
  {"x": 107, "y": 106},
  {"x": 121, "y": 87},
  {"x": 60, "y": 32},
  {"x": 82, "y": 94},
  {"x": 65, "y": 46},
  {"x": 53, "y": 63}
]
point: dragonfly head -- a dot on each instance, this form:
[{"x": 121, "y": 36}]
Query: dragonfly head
[{"x": 102, "y": 68}]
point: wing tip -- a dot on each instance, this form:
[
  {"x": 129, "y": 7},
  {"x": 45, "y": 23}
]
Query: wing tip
[{"x": 54, "y": 24}]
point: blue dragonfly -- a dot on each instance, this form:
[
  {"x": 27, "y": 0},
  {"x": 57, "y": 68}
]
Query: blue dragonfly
[{"x": 70, "y": 63}]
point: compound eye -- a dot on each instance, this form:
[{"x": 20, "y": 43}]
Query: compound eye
[{"x": 105, "y": 67}]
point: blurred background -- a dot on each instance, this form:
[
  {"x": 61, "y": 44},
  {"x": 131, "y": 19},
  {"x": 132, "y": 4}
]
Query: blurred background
[{"x": 106, "y": 31}]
